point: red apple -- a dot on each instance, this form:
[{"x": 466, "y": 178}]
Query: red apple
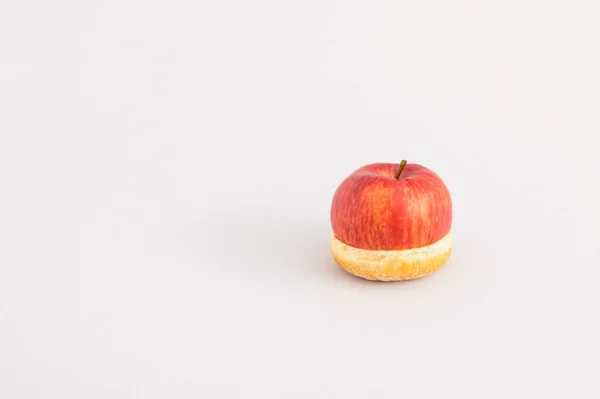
[{"x": 391, "y": 222}]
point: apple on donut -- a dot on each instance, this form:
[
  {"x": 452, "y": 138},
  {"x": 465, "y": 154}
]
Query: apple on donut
[{"x": 391, "y": 222}]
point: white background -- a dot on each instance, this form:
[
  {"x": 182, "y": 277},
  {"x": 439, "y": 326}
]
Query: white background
[{"x": 166, "y": 172}]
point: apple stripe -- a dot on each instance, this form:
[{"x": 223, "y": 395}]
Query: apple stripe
[{"x": 371, "y": 209}]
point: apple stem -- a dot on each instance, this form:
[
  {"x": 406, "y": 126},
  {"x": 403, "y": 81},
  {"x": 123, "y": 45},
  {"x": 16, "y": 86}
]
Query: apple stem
[{"x": 402, "y": 165}]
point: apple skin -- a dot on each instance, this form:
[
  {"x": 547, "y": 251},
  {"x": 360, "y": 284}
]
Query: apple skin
[{"x": 373, "y": 210}]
